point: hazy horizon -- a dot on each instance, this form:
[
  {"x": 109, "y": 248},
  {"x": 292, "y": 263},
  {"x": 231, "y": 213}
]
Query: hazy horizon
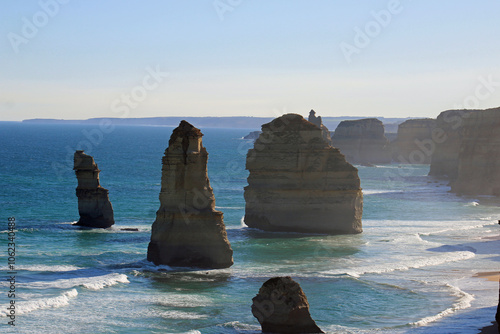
[{"x": 80, "y": 60}]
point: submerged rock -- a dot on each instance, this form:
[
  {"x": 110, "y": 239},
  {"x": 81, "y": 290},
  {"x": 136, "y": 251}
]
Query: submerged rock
[
  {"x": 188, "y": 231},
  {"x": 299, "y": 183},
  {"x": 93, "y": 201},
  {"x": 281, "y": 307},
  {"x": 363, "y": 141},
  {"x": 411, "y": 144},
  {"x": 479, "y": 155}
]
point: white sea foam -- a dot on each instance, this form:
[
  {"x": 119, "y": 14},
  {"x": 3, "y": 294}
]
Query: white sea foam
[
  {"x": 41, "y": 267},
  {"x": 182, "y": 315},
  {"x": 463, "y": 302},
  {"x": 455, "y": 228},
  {"x": 401, "y": 265},
  {"x": 242, "y": 222},
  {"x": 375, "y": 192},
  {"x": 183, "y": 300},
  {"x": 91, "y": 283},
  {"x": 230, "y": 207},
  {"x": 23, "y": 307}
]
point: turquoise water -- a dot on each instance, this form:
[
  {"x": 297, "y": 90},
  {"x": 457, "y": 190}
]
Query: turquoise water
[{"x": 410, "y": 271}]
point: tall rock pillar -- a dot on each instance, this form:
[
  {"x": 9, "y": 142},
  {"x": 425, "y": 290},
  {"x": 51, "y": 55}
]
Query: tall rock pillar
[
  {"x": 93, "y": 202},
  {"x": 188, "y": 231}
]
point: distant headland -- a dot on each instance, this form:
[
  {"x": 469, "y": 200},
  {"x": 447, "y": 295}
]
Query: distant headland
[{"x": 240, "y": 122}]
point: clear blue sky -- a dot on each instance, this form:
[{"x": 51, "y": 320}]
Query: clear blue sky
[{"x": 247, "y": 57}]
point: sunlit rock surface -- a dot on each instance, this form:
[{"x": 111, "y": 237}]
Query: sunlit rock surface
[
  {"x": 188, "y": 231},
  {"x": 298, "y": 182}
]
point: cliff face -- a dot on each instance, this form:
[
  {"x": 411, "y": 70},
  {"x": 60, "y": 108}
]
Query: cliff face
[
  {"x": 94, "y": 206},
  {"x": 447, "y": 142},
  {"x": 188, "y": 231},
  {"x": 363, "y": 141},
  {"x": 479, "y": 155},
  {"x": 411, "y": 144},
  {"x": 299, "y": 183}
]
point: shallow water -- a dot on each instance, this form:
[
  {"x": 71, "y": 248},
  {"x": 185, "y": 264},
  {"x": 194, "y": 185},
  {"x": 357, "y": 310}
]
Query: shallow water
[{"x": 411, "y": 270}]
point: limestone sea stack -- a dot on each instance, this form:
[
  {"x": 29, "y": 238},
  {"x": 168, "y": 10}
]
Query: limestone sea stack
[
  {"x": 316, "y": 120},
  {"x": 447, "y": 141},
  {"x": 281, "y": 307},
  {"x": 93, "y": 201},
  {"x": 299, "y": 183},
  {"x": 409, "y": 146},
  {"x": 188, "y": 231},
  {"x": 363, "y": 141},
  {"x": 479, "y": 156}
]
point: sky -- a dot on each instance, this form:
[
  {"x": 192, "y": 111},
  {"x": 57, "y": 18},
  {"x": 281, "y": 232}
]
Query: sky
[{"x": 75, "y": 59}]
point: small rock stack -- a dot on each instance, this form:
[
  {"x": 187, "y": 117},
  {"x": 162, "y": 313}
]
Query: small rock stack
[{"x": 93, "y": 201}]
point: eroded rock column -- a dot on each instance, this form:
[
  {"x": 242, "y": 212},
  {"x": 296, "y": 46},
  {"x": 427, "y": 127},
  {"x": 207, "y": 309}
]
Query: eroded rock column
[
  {"x": 188, "y": 231},
  {"x": 93, "y": 201}
]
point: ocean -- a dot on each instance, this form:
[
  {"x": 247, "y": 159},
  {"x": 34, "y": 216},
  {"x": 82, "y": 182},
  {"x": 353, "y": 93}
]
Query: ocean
[{"x": 412, "y": 270}]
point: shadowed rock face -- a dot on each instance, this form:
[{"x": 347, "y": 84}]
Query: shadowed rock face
[
  {"x": 281, "y": 307},
  {"x": 362, "y": 141},
  {"x": 479, "y": 155},
  {"x": 188, "y": 231},
  {"x": 93, "y": 202},
  {"x": 449, "y": 126},
  {"x": 298, "y": 182},
  {"x": 410, "y": 146}
]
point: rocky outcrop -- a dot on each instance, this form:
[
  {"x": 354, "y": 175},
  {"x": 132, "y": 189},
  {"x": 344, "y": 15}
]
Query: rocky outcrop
[
  {"x": 316, "y": 120},
  {"x": 93, "y": 201},
  {"x": 188, "y": 231},
  {"x": 446, "y": 142},
  {"x": 363, "y": 141},
  {"x": 281, "y": 307},
  {"x": 298, "y": 182},
  {"x": 479, "y": 155},
  {"x": 410, "y": 144},
  {"x": 252, "y": 135}
]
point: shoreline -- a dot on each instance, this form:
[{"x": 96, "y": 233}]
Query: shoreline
[{"x": 493, "y": 276}]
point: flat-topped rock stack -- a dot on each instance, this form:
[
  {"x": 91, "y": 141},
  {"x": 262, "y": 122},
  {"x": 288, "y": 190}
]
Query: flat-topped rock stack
[
  {"x": 363, "y": 141},
  {"x": 94, "y": 206},
  {"x": 188, "y": 231},
  {"x": 298, "y": 182},
  {"x": 410, "y": 144}
]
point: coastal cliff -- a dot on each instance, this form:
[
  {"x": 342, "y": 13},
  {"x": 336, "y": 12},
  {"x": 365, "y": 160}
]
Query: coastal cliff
[
  {"x": 479, "y": 155},
  {"x": 362, "y": 141},
  {"x": 188, "y": 231},
  {"x": 447, "y": 142},
  {"x": 298, "y": 182},
  {"x": 410, "y": 144},
  {"x": 94, "y": 206}
]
